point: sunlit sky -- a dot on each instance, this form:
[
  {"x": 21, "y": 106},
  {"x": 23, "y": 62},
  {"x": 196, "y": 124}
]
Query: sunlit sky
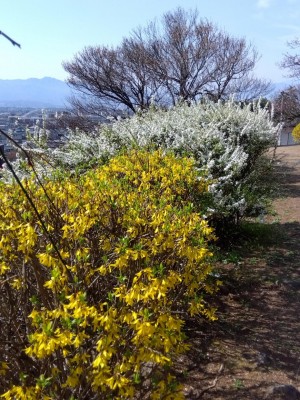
[{"x": 53, "y": 31}]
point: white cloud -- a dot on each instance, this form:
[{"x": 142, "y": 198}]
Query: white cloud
[{"x": 263, "y": 3}]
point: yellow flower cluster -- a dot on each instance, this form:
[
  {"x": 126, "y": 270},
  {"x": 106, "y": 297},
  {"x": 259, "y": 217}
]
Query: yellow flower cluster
[
  {"x": 296, "y": 133},
  {"x": 105, "y": 314}
]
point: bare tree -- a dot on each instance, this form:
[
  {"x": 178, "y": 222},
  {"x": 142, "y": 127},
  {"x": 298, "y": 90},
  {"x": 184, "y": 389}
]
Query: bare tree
[
  {"x": 179, "y": 54},
  {"x": 291, "y": 62},
  {"x": 287, "y": 102},
  {"x": 110, "y": 79},
  {"x": 182, "y": 58},
  {"x": 287, "y": 106},
  {"x": 234, "y": 62},
  {"x": 194, "y": 59},
  {"x": 96, "y": 73}
]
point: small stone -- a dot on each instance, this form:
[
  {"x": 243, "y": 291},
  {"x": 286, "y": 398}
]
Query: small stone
[
  {"x": 283, "y": 392},
  {"x": 262, "y": 359},
  {"x": 294, "y": 284}
]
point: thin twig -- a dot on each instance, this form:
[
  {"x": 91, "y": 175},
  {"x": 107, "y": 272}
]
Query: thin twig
[
  {"x": 10, "y": 39},
  {"x": 220, "y": 370}
]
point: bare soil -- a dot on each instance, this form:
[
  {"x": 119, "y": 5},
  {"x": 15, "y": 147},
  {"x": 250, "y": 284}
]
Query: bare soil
[{"x": 255, "y": 343}]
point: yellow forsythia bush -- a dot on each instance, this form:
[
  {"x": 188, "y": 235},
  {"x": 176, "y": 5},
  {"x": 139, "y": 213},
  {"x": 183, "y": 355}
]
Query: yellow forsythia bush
[
  {"x": 296, "y": 133},
  {"x": 102, "y": 318}
]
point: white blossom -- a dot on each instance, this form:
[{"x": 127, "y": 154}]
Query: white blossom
[{"x": 226, "y": 139}]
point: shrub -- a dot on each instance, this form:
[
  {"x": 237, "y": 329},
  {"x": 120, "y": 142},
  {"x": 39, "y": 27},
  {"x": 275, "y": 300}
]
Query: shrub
[
  {"x": 229, "y": 142},
  {"x": 94, "y": 307},
  {"x": 296, "y": 133}
]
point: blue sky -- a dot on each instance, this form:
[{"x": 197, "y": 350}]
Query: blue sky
[{"x": 53, "y": 31}]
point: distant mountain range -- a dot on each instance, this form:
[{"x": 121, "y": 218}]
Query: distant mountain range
[
  {"x": 50, "y": 92},
  {"x": 33, "y": 92}
]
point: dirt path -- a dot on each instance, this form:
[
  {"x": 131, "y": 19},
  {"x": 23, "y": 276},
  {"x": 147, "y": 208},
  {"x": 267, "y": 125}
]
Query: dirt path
[
  {"x": 288, "y": 207},
  {"x": 255, "y": 344}
]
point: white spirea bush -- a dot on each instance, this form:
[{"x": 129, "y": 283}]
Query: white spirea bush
[{"x": 228, "y": 140}]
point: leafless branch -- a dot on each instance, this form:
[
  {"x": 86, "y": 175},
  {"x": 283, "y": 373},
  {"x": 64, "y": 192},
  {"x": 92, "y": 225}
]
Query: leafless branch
[
  {"x": 182, "y": 58},
  {"x": 10, "y": 39},
  {"x": 287, "y": 105},
  {"x": 291, "y": 62}
]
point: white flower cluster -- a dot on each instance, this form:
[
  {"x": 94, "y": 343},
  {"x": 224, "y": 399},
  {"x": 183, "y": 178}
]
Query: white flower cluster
[
  {"x": 228, "y": 141},
  {"x": 82, "y": 148}
]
